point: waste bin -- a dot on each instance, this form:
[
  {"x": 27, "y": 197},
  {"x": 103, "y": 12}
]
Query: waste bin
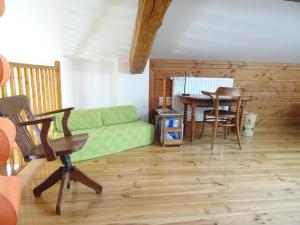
[{"x": 249, "y": 120}]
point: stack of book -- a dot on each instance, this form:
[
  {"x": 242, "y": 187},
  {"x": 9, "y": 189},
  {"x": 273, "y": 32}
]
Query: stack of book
[{"x": 169, "y": 127}]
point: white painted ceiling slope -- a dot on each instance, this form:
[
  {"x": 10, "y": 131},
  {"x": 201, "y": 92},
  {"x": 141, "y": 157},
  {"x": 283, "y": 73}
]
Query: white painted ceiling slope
[
  {"x": 249, "y": 30},
  {"x": 85, "y": 29}
]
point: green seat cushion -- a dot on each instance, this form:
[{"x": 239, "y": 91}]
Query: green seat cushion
[
  {"x": 107, "y": 140},
  {"x": 80, "y": 119},
  {"x": 119, "y": 114}
]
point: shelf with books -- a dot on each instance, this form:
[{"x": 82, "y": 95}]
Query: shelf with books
[{"x": 169, "y": 127}]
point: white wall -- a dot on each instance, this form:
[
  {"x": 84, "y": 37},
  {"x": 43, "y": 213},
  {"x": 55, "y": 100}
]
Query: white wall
[
  {"x": 133, "y": 89},
  {"x": 102, "y": 83},
  {"x": 29, "y": 33},
  {"x": 42, "y": 31}
]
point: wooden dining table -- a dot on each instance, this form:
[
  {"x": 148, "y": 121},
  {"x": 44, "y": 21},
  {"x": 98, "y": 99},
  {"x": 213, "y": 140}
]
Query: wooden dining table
[{"x": 205, "y": 101}]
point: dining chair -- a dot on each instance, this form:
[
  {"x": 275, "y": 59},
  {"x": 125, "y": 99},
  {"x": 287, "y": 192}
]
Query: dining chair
[
  {"x": 223, "y": 118},
  {"x": 13, "y": 108}
]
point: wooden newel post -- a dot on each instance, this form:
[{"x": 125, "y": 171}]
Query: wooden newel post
[{"x": 58, "y": 85}]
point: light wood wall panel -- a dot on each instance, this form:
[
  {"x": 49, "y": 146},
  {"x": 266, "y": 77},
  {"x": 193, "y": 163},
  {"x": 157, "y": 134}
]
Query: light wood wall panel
[
  {"x": 273, "y": 89},
  {"x": 41, "y": 84}
]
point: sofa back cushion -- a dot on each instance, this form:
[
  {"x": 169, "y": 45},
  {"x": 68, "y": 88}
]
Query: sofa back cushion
[
  {"x": 80, "y": 119},
  {"x": 119, "y": 114}
]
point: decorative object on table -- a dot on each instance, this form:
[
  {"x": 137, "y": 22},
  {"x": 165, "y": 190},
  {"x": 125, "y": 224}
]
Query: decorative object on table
[
  {"x": 184, "y": 87},
  {"x": 2, "y": 7},
  {"x": 12, "y": 107},
  {"x": 169, "y": 127},
  {"x": 249, "y": 120},
  {"x": 223, "y": 118},
  {"x": 5, "y": 71}
]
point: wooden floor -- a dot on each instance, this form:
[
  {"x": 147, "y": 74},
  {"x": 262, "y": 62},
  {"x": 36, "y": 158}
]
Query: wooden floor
[{"x": 181, "y": 185}]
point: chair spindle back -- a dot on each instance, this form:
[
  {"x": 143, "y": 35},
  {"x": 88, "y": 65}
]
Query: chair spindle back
[
  {"x": 234, "y": 93},
  {"x": 12, "y": 107}
]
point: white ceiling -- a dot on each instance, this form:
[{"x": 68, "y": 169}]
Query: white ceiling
[
  {"x": 250, "y": 30},
  {"x": 88, "y": 29},
  {"x": 93, "y": 28}
]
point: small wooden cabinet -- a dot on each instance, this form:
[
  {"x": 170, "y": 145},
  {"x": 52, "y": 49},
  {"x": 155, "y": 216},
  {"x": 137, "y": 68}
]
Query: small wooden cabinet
[{"x": 169, "y": 127}]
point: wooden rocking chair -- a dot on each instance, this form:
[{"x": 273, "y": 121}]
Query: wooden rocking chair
[{"x": 12, "y": 107}]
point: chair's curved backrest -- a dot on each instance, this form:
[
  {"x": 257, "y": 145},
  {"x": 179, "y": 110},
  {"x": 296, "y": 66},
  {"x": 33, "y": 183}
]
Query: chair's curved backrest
[
  {"x": 12, "y": 107},
  {"x": 234, "y": 93},
  {"x": 228, "y": 92}
]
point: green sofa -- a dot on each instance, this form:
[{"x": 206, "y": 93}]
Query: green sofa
[{"x": 112, "y": 129}]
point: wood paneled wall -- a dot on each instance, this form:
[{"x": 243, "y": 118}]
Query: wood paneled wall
[
  {"x": 41, "y": 84},
  {"x": 274, "y": 89}
]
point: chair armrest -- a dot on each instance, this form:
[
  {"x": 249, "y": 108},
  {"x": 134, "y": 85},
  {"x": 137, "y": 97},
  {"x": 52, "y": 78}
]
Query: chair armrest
[
  {"x": 67, "y": 112},
  {"x": 33, "y": 122},
  {"x": 49, "y": 152},
  {"x": 210, "y": 94},
  {"x": 53, "y": 112}
]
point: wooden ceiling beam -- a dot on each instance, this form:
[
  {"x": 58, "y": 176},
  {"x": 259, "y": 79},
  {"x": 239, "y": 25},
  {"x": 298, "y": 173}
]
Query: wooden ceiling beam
[{"x": 149, "y": 18}]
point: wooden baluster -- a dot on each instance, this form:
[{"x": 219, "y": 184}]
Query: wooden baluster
[
  {"x": 20, "y": 86},
  {"x": 50, "y": 90},
  {"x": 3, "y": 91},
  {"x": 47, "y": 94},
  {"x": 20, "y": 81},
  {"x": 43, "y": 90},
  {"x": 28, "y": 94},
  {"x": 12, "y": 83},
  {"x": 33, "y": 91},
  {"x": 27, "y": 85},
  {"x": 38, "y": 89},
  {"x": 53, "y": 86},
  {"x": 58, "y": 84}
]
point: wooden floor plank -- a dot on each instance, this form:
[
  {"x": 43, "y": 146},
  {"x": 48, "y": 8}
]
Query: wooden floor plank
[{"x": 189, "y": 185}]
